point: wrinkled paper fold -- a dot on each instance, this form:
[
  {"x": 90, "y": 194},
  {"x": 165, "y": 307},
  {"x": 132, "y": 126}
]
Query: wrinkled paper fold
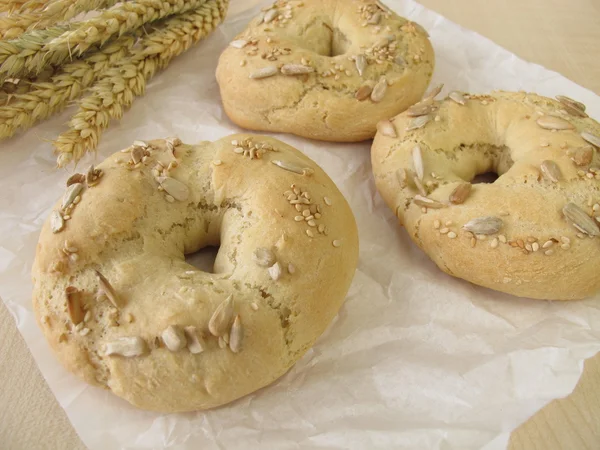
[{"x": 415, "y": 359}]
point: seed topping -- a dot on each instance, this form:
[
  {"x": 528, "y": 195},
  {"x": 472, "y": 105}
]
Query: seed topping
[
  {"x": 221, "y": 318},
  {"x": 484, "y": 225}
]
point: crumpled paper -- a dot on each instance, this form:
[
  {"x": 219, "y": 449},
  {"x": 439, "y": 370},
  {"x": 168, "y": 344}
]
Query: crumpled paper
[{"x": 415, "y": 358}]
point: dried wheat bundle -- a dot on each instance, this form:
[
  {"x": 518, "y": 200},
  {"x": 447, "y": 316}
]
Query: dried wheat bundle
[
  {"x": 118, "y": 86},
  {"x": 21, "y": 5},
  {"x": 13, "y": 25},
  {"x": 41, "y": 99},
  {"x": 31, "y": 52}
]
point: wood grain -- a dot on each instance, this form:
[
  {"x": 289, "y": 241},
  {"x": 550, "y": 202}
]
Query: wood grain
[{"x": 562, "y": 35}]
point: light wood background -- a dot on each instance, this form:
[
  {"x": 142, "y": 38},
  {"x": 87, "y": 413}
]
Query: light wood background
[{"x": 562, "y": 35}]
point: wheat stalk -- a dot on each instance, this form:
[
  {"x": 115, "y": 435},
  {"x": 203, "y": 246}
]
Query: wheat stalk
[
  {"x": 12, "y": 26},
  {"x": 31, "y": 52},
  {"x": 42, "y": 99},
  {"x": 119, "y": 85}
]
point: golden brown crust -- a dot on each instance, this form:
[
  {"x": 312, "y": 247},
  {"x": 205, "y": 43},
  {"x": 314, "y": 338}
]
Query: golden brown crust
[
  {"x": 136, "y": 236},
  {"x": 322, "y": 104},
  {"x": 537, "y": 252}
]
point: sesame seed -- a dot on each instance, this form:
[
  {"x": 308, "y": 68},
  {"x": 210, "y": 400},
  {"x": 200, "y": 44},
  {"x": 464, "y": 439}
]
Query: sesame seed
[
  {"x": 67, "y": 217},
  {"x": 317, "y": 215},
  {"x": 565, "y": 240},
  {"x": 306, "y": 213},
  {"x": 327, "y": 201},
  {"x": 535, "y": 246},
  {"x": 473, "y": 242},
  {"x": 336, "y": 243},
  {"x": 169, "y": 198},
  {"x": 549, "y": 252},
  {"x": 309, "y": 233},
  {"x": 494, "y": 243},
  {"x": 436, "y": 224},
  {"x": 531, "y": 239},
  {"x": 298, "y": 208},
  {"x": 449, "y": 223},
  {"x": 444, "y": 230},
  {"x": 565, "y": 246},
  {"x": 291, "y": 268},
  {"x": 321, "y": 228},
  {"x": 528, "y": 247},
  {"x": 480, "y": 237},
  {"x": 312, "y": 223},
  {"x": 299, "y": 218},
  {"x": 502, "y": 238},
  {"x": 254, "y": 306},
  {"x": 311, "y": 217},
  {"x": 217, "y": 162},
  {"x": 452, "y": 235},
  {"x": 548, "y": 244}
]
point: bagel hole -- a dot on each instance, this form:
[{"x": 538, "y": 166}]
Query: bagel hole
[
  {"x": 203, "y": 259},
  {"x": 339, "y": 43},
  {"x": 485, "y": 178}
]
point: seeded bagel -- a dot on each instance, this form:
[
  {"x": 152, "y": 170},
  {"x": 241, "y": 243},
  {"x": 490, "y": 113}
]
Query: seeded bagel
[
  {"x": 533, "y": 231},
  {"x": 324, "y": 69},
  {"x": 122, "y": 309}
]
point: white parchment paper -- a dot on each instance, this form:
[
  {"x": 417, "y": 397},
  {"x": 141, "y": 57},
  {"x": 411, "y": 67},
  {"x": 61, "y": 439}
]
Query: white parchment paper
[{"x": 415, "y": 359}]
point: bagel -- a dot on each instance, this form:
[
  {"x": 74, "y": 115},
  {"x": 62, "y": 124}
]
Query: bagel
[
  {"x": 122, "y": 309},
  {"x": 531, "y": 232},
  {"x": 324, "y": 69}
]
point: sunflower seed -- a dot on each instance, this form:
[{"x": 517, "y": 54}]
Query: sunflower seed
[
  {"x": 126, "y": 346},
  {"x": 271, "y": 15},
  {"x": 361, "y": 64},
  {"x": 551, "y": 171},
  {"x": 265, "y": 72},
  {"x": 74, "y": 306},
  {"x": 403, "y": 177},
  {"x": 175, "y": 188},
  {"x": 582, "y": 156},
  {"x": 570, "y": 102},
  {"x": 292, "y": 167},
  {"x": 364, "y": 92},
  {"x": 296, "y": 69},
  {"x": 72, "y": 192},
  {"x": 427, "y": 202},
  {"x": 419, "y": 110},
  {"x": 484, "y": 225},
  {"x": 221, "y": 318},
  {"x": 379, "y": 90},
  {"x": 174, "y": 338},
  {"x": 554, "y": 123},
  {"x": 580, "y": 220},
  {"x": 387, "y": 128},
  {"x": 457, "y": 97},
  {"x": 435, "y": 91},
  {"x": 291, "y": 269},
  {"x": 57, "y": 223},
  {"x": 275, "y": 271},
  {"x": 419, "y": 185},
  {"x": 92, "y": 175},
  {"x": 236, "y": 335},
  {"x": 108, "y": 290},
  {"x": 417, "y": 158},
  {"x": 137, "y": 154},
  {"x": 399, "y": 60},
  {"x": 75, "y": 178},
  {"x": 591, "y": 138},
  {"x": 141, "y": 144},
  {"x": 460, "y": 193},
  {"x": 418, "y": 122},
  {"x": 263, "y": 257},
  {"x": 239, "y": 43}
]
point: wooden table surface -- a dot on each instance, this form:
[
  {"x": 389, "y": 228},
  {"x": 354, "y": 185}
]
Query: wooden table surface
[{"x": 562, "y": 35}]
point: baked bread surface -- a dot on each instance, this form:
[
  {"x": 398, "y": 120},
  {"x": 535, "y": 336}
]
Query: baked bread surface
[
  {"x": 134, "y": 228},
  {"x": 324, "y": 38},
  {"x": 532, "y": 232}
]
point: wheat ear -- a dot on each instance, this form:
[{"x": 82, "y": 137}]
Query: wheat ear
[
  {"x": 118, "y": 20},
  {"x": 34, "y": 50},
  {"x": 19, "y": 56},
  {"x": 43, "y": 99},
  {"x": 21, "y": 5},
  {"x": 12, "y": 26},
  {"x": 119, "y": 85}
]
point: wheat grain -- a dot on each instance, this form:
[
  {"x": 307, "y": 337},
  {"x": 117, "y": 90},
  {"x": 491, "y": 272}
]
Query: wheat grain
[
  {"x": 42, "y": 99},
  {"x": 127, "y": 79},
  {"x": 14, "y": 25},
  {"x": 21, "y": 5}
]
